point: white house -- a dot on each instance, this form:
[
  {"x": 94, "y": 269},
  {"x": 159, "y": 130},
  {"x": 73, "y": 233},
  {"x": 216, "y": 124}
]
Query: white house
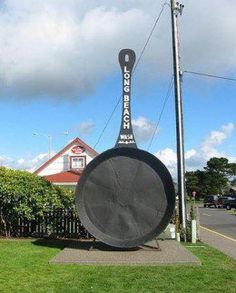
[{"x": 68, "y": 164}]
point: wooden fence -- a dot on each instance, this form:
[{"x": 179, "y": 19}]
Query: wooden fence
[{"x": 57, "y": 223}]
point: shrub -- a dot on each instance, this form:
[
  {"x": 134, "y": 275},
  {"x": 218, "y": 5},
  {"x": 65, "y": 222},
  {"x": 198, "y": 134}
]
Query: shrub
[{"x": 23, "y": 194}]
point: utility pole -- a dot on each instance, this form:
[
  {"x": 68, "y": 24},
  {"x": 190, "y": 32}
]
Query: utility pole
[
  {"x": 176, "y": 10},
  {"x": 49, "y": 146}
]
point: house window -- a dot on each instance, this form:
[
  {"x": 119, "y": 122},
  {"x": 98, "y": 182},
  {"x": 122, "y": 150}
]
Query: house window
[{"x": 77, "y": 162}]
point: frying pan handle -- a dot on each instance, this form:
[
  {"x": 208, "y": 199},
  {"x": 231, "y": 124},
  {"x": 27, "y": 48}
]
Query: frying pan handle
[
  {"x": 126, "y": 136},
  {"x": 127, "y": 58}
]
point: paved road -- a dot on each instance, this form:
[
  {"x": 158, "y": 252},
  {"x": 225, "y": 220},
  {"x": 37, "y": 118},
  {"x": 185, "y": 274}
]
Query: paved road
[{"x": 218, "y": 220}]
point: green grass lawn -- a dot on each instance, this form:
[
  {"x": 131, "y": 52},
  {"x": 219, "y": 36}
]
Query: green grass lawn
[{"x": 24, "y": 268}]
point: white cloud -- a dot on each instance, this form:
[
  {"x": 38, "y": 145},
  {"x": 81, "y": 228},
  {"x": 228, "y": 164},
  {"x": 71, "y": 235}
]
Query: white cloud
[
  {"x": 4, "y": 160},
  {"x": 86, "y": 127},
  {"x": 45, "y": 51},
  {"x": 194, "y": 158},
  {"x": 197, "y": 158},
  {"x": 65, "y": 48},
  {"x": 83, "y": 128},
  {"x": 215, "y": 138},
  {"x": 28, "y": 164},
  {"x": 20, "y": 161},
  {"x": 143, "y": 128},
  {"x": 189, "y": 154},
  {"x": 169, "y": 158}
]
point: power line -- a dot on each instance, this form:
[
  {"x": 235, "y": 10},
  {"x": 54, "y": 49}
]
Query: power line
[
  {"x": 138, "y": 60},
  {"x": 150, "y": 35},
  {"x": 108, "y": 121},
  {"x": 209, "y": 75},
  {"x": 162, "y": 111},
  {"x": 169, "y": 91}
]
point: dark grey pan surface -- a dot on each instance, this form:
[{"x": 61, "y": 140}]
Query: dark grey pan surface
[{"x": 126, "y": 197}]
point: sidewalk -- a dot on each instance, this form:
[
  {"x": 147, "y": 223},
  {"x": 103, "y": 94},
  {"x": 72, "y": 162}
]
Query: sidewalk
[{"x": 219, "y": 241}]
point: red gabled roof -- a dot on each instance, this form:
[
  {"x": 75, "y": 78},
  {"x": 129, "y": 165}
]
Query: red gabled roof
[
  {"x": 64, "y": 177},
  {"x": 75, "y": 141}
]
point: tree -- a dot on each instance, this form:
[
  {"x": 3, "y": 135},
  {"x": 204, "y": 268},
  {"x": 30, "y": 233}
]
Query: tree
[
  {"x": 197, "y": 181},
  {"x": 23, "y": 194},
  {"x": 192, "y": 182},
  {"x": 217, "y": 174}
]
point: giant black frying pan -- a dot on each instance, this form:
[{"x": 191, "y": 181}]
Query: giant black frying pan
[{"x": 125, "y": 196}]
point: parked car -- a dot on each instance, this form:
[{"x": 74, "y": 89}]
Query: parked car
[
  {"x": 210, "y": 200},
  {"x": 230, "y": 203},
  {"x": 223, "y": 200}
]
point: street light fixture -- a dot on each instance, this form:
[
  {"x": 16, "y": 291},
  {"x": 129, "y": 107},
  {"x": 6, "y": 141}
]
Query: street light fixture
[{"x": 49, "y": 138}]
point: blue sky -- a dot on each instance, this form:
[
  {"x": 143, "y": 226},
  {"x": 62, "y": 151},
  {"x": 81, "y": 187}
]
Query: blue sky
[{"x": 59, "y": 72}]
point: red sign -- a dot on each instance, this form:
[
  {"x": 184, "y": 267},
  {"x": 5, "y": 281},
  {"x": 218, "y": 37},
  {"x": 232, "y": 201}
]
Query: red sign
[
  {"x": 77, "y": 149},
  {"x": 194, "y": 193}
]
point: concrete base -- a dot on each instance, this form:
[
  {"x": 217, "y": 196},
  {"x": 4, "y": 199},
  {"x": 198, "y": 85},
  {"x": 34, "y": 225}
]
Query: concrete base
[{"x": 169, "y": 252}]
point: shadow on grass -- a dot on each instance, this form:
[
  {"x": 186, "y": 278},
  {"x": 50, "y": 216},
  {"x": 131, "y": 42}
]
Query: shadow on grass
[
  {"x": 85, "y": 245},
  {"x": 56, "y": 243}
]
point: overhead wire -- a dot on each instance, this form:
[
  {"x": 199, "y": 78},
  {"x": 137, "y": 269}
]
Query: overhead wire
[
  {"x": 107, "y": 122},
  {"x": 150, "y": 35},
  {"x": 138, "y": 61},
  {"x": 209, "y": 75},
  {"x": 168, "y": 93}
]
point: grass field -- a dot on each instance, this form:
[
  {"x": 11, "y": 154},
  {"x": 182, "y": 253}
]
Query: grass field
[{"x": 24, "y": 268}]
